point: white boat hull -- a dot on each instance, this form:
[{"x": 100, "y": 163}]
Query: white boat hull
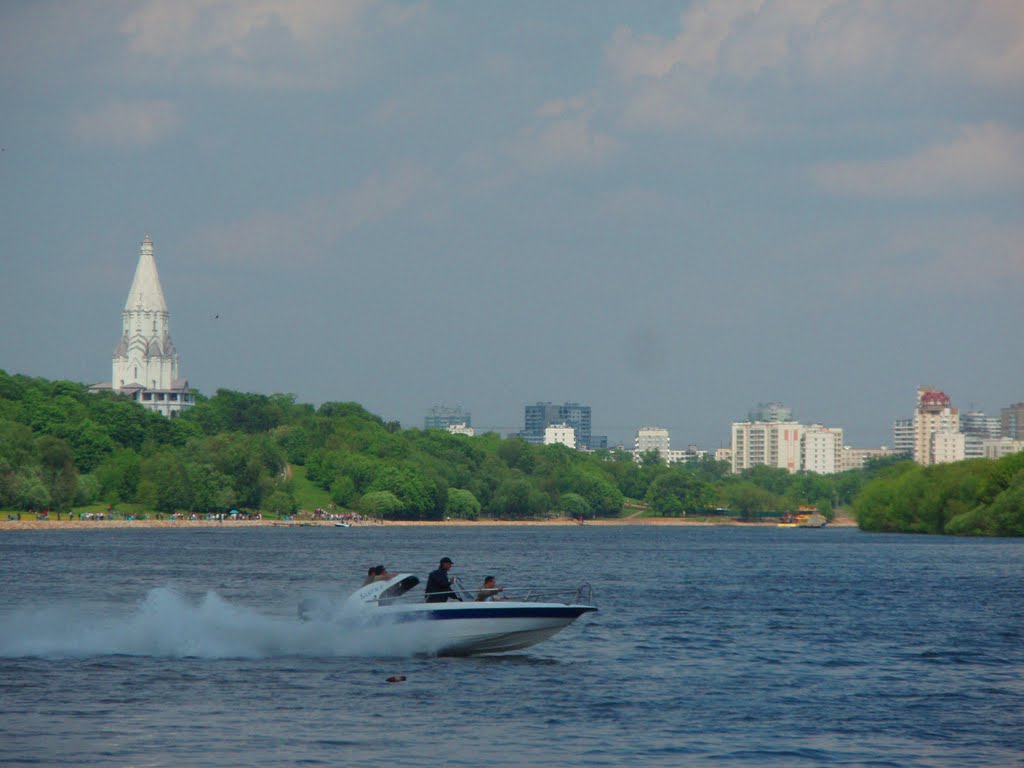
[
  {"x": 453, "y": 628},
  {"x": 461, "y": 629}
]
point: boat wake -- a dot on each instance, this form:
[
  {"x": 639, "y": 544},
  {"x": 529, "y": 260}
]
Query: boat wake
[{"x": 168, "y": 624}]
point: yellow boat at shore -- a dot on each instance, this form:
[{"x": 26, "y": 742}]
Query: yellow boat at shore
[{"x": 805, "y": 517}]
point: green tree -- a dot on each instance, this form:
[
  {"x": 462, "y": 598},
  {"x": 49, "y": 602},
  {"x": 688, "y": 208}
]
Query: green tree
[
  {"x": 463, "y": 504},
  {"x": 573, "y": 505},
  {"x": 515, "y": 498},
  {"x": 750, "y": 500},
  {"x": 380, "y": 504},
  {"x": 88, "y": 490},
  {"x": 676, "y": 492},
  {"x": 411, "y": 489},
  {"x": 600, "y": 493},
  {"x": 166, "y": 473},
  {"x": 343, "y": 491},
  {"x": 58, "y": 471},
  {"x": 31, "y": 492},
  {"x": 119, "y": 476},
  {"x": 90, "y": 444},
  {"x": 280, "y": 503}
]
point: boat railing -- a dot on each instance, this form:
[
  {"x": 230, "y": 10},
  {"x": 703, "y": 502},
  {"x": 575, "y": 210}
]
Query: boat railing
[{"x": 580, "y": 595}]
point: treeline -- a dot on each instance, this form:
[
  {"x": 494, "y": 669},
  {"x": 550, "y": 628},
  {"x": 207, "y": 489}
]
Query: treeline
[
  {"x": 977, "y": 497},
  {"x": 61, "y": 446}
]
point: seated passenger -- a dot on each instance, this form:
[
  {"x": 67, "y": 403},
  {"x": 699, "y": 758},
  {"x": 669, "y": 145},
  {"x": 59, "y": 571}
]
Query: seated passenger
[
  {"x": 489, "y": 591},
  {"x": 369, "y": 575},
  {"x": 377, "y": 573}
]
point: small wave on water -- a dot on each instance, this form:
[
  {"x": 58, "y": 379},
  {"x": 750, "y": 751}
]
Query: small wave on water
[{"x": 168, "y": 624}]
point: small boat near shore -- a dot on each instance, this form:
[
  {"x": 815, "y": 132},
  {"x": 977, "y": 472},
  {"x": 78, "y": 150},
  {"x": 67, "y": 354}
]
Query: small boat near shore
[
  {"x": 465, "y": 626},
  {"x": 803, "y": 517}
]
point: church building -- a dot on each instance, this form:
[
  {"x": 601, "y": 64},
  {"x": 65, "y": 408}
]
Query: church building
[{"x": 145, "y": 361}]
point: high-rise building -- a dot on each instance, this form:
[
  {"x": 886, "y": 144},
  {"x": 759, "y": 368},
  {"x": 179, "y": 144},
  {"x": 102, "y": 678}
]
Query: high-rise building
[
  {"x": 948, "y": 446},
  {"x": 821, "y": 449},
  {"x": 1011, "y": 421},
  {"x": 857, "y": 458},
  {"x": 788, "y": 445},
  {"x": 1001, "y": 446},
  {"x": 977, "y": 428},
  {"x": 689, "y": 455},
  {"x": 934, "y": 416},
  {"x": 978, "y": 424},
  {"x": 903, "y": 437},
  {"x": 145, "y": 364},
  {"x": 770, "y": 412},
  {"x": 651, "y": 439},
  {"x": 442, "y": 417},
  {"x": 775, "y": 444},
  {"x": 560, "y": 434},
  {"x": 542, "y": 415}
]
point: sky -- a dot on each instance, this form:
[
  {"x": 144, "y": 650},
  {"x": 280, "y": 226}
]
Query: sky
[{"x": 670, "y": 211}]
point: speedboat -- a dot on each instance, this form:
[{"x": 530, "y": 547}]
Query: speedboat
[{"x": 514, "y": 619}]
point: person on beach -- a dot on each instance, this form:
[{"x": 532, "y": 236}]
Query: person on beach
[
  {"x": 489, "y": 591},
  {"x": 439, "y": 586}
]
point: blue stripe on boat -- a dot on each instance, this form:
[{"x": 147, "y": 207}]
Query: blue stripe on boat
[{"x": 504, "y": 613}]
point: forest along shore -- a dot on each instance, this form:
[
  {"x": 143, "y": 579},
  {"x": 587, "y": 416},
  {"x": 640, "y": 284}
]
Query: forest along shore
[{"x": 54, "y": 525}]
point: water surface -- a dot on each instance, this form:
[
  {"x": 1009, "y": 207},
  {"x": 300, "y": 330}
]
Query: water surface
[{"x": 712, "y": 647}]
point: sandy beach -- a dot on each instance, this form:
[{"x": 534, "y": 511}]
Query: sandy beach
[{"x": 55, "y": 525}]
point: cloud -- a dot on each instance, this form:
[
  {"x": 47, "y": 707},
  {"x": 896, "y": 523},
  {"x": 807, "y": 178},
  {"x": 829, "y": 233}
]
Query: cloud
[
  {"x": 571, "y": 141},
  {"x": 306, "y": 234},
  {"x": 127, "y": 124},
  {"x": 963, "y": 255},
  {"x": 193, "y": 27},
  {"x": 257, "y": 43},
  {"x": 727, "y": 59},
  {"x": 980, "y": 159}
]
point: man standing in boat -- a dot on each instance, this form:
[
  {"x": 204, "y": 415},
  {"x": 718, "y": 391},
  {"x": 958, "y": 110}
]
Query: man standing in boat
[{"x": 439, "y": 586}]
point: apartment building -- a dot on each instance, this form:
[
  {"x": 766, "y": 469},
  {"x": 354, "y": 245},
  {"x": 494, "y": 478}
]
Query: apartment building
[
  {"x": 933, "y": 416},
  {"x": 560, "y": 434}
]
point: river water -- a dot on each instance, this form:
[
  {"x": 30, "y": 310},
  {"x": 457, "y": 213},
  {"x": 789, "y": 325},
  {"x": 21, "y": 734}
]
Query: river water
[{"x": 713, "y": 646}]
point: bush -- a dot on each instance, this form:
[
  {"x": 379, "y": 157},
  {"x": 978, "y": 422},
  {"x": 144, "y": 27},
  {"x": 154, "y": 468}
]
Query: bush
[
  {"x": 574, "y": 505},
  {"x": 280, "y": 503},
  {"x": 380, "y": 504},
  {"x": 463, "y": 504},
  {"x": 343, "y": 491}
]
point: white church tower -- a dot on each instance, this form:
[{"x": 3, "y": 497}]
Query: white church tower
[{"x": 145, "y": 361}]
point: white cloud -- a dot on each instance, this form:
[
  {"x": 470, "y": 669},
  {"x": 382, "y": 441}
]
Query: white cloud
[
  {"x": 705, "y": 31},
  {"x": 306, "y": 233},
  {"x": 182, "y": 28},
  {"x": 727, "y": 55},
  {"x": 564, "y": 138},
  {"x": 257, "y": 43},
  {"x": 956, "y": 256},
  {"x": 127, "y": 124},
  {"x": 980, "y": 159}
]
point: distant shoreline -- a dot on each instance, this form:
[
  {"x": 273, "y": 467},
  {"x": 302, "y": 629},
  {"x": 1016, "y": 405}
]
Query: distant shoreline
[{"x": 57, "y": 525}]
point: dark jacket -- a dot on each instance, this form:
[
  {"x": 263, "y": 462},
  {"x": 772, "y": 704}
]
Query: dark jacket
[{"x": 439, "y": 588}]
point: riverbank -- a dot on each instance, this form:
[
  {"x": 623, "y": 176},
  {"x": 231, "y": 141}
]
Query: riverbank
[{"x": 55, "y": 525}]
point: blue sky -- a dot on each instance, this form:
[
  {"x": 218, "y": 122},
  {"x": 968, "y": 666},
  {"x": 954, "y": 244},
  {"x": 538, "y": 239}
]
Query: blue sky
[{"x": 668, "y": 210}]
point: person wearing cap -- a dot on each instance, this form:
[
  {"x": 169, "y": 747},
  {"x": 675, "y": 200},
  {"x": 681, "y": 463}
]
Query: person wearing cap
[{"x": 439, "y": 586}]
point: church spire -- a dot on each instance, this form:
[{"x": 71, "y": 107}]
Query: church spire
[
  {"x": 146, "y": 293},
  {"x": 145, "y": 363}
]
